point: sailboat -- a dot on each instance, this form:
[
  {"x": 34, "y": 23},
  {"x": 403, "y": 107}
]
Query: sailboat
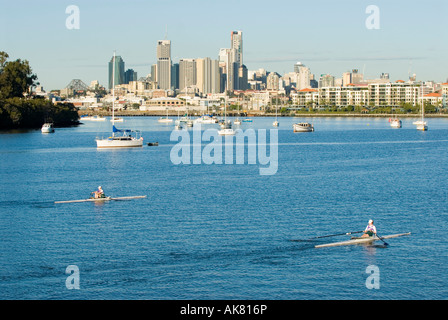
[
  {"x": 227, "y": 127},
  {"x": 421, "y": 124},
  {"x": 126, "y": 140},
  {"x": 237, "y": 120},
  {"x": 165, "y": 120},
  {"x": 276, "y": 123}
]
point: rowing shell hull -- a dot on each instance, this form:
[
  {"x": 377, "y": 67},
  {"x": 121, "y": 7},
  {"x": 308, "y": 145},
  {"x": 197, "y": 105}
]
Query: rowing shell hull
[
  {"x": 360, "y": 241},
  {"x": 102, "y": 199}
]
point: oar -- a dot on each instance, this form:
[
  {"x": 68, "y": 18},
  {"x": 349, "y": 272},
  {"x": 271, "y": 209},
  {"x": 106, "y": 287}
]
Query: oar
[
  {"x": 331, "y": 235},
  {"x": 379, "y": 237}
]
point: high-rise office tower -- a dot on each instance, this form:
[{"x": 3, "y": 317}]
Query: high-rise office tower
[
  {"x": 119, "y": 71},
  {"x": 175, "y": 76},
  {"x": 130, "y": 75},
  {"x": 236, "y": 42},
  {"x": 187, "y": 73},
  {"x": 207, "y": 75},
  {"x": 164, "y": 64}
]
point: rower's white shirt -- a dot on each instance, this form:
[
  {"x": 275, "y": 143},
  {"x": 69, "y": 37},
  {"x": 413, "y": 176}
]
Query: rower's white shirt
[{"x": 371, "y": 228}]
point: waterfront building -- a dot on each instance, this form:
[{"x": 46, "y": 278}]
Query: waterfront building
[
  {"x": 305, "y": 98},
  {"x": 164, "y": 64},
  {"x": 343, "y": 96},
  {"x": 434, "y": 98},
  {"x": 393, "y": 94}
]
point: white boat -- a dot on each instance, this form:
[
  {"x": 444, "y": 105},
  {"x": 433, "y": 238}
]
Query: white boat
[
  {"x": 421, "y": 124},
  {"x": 165, "y": 120},
  {"x": 227, "y": 130},
  {"x": 303, "y": 127},
  {"x": 206, "y": 119},
  {"x": 178, "y": 127},
  {"x": 237, "y": 120},
  {"x": 247, "y": 120},
  {"x": 128, "y": 139},
  {"x": 360, "y": 240},
  {"x": 93, "y": 118},
  {"x": 117, "y": 119},
  {"x": 276, "y": 123},
  {"x": 47, "y": 128},
  {"x": 395, "y": 123}
]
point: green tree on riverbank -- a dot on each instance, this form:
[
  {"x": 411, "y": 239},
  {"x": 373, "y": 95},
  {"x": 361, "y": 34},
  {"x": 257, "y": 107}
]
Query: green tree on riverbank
[{"x": 19, "y": 108}]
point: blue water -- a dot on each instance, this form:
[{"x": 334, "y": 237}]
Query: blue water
[{"x": 222, "y": 231}]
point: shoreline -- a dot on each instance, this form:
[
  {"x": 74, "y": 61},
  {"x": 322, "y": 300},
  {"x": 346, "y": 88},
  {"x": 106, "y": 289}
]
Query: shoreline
[{"x": 137, "y": 113}]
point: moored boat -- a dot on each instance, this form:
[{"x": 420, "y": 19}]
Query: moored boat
[
  {"x": 129, "y": 139},
  {"x": 395, "y": 123},
  {"x": 47, "y": 128},
  {"x": 303, "y": 127}
]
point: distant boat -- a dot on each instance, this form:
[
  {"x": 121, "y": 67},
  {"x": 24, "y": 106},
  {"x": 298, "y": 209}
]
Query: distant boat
[
  {"x": 421, "y": 124},
  {"x": 206, "y": 119},
  {"x": 395, "y": 123},
  {"x": 247, "y": 120},
  {"x": 93, "y": 118},
  {"x": 117, "y": 119},
  {"x": 127, "y": 140},
  {"x": 165, "y": 120},
  {"x": 227, "y": 129},
  {"x": 276, "y": 123},
  {"x": 47, "y": 128},
  {"x": 237, "y": 120},
  {"x": 303, "y": 127}
]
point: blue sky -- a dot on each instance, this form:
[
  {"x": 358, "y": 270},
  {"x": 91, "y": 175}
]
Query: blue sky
[{"x": 328, "y": 36}]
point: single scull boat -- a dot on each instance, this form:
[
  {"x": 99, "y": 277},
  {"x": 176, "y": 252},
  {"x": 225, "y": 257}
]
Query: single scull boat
[
  {"x": 360, "y": 240},
  {"x": 102, "y": 199}
]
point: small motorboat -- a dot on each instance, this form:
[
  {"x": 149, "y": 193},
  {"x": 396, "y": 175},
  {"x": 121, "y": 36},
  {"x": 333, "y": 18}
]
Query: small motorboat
[{"x": 47, "y": 128}]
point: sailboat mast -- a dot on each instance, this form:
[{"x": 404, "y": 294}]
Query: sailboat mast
[{"x": 113, "y": 95}]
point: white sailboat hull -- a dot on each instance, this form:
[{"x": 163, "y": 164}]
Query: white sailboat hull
[
  {"x": 165, "y": 120},
  {"x": 119, "y": 143},
  {"x": 226, "y": 132}
]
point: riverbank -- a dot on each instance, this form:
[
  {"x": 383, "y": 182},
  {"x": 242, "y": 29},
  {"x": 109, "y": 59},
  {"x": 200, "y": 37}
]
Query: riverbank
[{"x": 253, "y": 113}]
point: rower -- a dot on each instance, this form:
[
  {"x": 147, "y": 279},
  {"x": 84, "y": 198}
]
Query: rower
[
  {"x": 99, "y": 194},
  {"x": 370, "y": 230}
]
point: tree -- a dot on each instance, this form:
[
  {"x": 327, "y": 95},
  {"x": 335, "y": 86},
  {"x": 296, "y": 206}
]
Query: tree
[
  {"x": 16, "y": 77},
  {"x": 3, "y": 58}
]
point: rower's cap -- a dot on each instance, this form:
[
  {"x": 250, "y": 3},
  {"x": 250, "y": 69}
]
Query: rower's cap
[{"x": 370, "y": 221}]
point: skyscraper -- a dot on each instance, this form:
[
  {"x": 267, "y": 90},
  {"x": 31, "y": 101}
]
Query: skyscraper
[
  {"x": 187, "y": 73},
  {"x": 207, "y": 75},
  {"x": 119, "y": 71},
  {"x": 236, "y": 42},
  {"x": 164, "y": 64},
  {"x": 130, "y": 75}
]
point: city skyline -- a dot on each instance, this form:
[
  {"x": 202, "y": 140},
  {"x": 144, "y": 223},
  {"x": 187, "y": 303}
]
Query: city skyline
[{"x": 330, "y": 41}]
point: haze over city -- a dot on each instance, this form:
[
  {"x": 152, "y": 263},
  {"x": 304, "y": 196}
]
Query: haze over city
[{"x": 330, "y": 37}]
